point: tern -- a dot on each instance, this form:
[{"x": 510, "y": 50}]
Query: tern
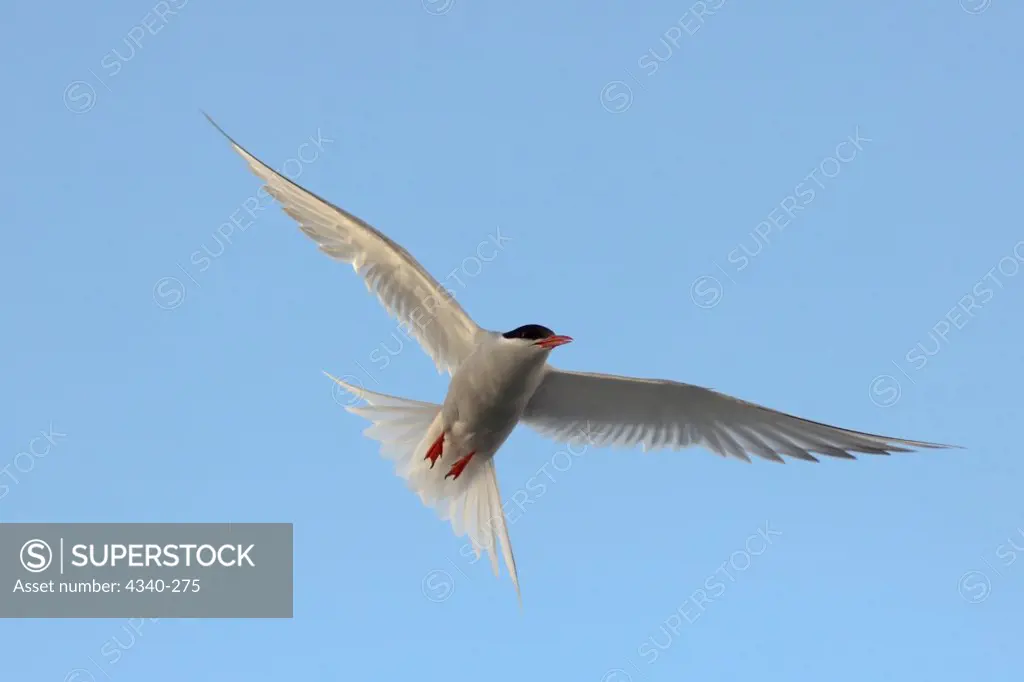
[{"x": 500, "y": 379}]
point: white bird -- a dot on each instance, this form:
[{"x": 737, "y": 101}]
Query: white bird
[{"x": 499, "y": 380}]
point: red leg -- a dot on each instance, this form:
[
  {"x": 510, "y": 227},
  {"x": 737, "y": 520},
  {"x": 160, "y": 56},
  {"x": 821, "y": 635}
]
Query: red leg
[
  {"x": 457, "y": 468},
  {"x": 435, "y": 450}
]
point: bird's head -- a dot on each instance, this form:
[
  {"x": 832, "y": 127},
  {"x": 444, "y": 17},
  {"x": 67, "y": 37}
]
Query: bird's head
[{"x": 537, "y": 336}]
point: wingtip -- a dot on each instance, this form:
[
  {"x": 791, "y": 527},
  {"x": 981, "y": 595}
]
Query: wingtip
[
  {"x": 210, "y": 119},
  {"x": 219, "y": 129},
  {"x": 936, "y": 446},
  {"x": 333, "y": 378}
]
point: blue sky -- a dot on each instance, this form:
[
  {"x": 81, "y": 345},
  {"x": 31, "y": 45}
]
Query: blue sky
[{"x": 648, "y": 166}]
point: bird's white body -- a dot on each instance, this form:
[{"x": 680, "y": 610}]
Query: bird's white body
[
  {"x": 501, "y": 380},
  {"x": 489, "y": 393}
]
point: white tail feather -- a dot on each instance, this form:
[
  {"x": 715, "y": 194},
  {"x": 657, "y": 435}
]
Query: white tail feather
[{"x": 472, "y": 502}]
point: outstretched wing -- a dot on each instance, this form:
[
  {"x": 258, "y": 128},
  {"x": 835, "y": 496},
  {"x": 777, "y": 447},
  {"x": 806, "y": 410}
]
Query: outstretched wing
[
  {"x": 656, "y": 414},
  {"x": 402, "y": 285}
]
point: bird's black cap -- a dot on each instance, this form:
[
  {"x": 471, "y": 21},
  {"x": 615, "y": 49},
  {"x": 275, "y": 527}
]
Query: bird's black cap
[{"x": 531, "y": 332}]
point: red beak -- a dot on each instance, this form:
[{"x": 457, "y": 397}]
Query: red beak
[{"x": 554, "y": 341}]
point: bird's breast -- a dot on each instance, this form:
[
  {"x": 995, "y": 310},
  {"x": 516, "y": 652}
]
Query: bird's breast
[{"x": 489, "y": 392}]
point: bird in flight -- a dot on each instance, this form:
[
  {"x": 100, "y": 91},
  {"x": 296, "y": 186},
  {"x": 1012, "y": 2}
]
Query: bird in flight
[{"x": 500, "y": 379}]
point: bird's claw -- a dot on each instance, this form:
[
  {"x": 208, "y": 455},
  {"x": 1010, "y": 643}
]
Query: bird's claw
[
  {"x": 458, "y": 467},
  {"x": 435, "y": 450}
]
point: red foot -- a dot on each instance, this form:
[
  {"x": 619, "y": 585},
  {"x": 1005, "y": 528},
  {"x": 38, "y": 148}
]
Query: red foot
[
  {"x": 435, "y": 450},
  {"x": 459, "y": 466}
]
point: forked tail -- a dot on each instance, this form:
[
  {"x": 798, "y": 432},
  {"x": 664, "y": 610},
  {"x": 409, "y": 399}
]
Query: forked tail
[{"x": 405, "y": 430}]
